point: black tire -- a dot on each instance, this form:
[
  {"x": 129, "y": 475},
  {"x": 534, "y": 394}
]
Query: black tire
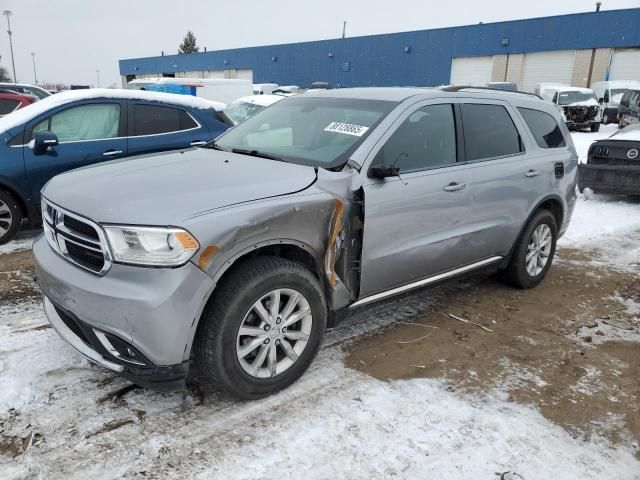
[
  {"x": 516, "y": 272},
  {"x": 215, "y": 343},
  {"x": 595, "y": 127},
  {"x": 605, "y": 117},
  {"x": 10, "y": 220}
]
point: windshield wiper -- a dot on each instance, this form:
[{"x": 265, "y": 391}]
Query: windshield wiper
[
  {"x": 256, "y": 153},
  {"x": 214, "y": 146}
]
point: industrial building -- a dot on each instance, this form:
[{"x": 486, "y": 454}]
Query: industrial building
[{"x": 576, "y": 49}]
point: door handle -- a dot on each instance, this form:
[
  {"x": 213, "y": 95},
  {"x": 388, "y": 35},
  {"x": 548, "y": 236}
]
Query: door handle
[
  {"x": 455, "y": 186},
  {"x": 111, "y": 153},
  {"x": 197, "y": 143},
  {"x": 532, "y": 173}
]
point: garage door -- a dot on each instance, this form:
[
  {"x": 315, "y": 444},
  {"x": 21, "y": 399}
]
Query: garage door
[
  {"x": 471, "y": 70},
  {"x": 625, "y": 65},
  {"x": 547, "y": 67}
]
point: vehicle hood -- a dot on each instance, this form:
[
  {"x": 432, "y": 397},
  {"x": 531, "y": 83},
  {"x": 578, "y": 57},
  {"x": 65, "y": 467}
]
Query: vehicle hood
[{"x": 166, "y": 189}]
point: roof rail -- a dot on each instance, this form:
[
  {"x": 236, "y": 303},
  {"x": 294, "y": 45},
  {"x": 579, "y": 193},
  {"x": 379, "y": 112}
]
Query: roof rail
[{"x": 457, "y": 88}]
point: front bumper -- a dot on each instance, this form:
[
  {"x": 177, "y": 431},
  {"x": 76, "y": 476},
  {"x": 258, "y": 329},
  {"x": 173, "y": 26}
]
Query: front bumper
[
  {"x": 154, "y": 311},
  {"x": 580, "y": 125},
  {"x": 613, "y": 179}
]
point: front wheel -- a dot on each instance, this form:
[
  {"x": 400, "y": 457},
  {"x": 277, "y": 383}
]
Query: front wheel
[
  {"x": 10, "y": 217},
  {"x": 534, "y": 252},
  {"x": 595, "y": 127},
  {"x": 262, "y": 327},
  {"x": 605, "y": 117}
]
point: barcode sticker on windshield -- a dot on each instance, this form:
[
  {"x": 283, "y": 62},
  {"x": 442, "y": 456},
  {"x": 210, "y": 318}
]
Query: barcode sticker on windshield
[{"x": 346, "y": 128}]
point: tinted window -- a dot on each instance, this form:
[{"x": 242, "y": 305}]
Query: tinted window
[
  {"x": 427, "y": 139},
  {"x": 152, "y": 120},
  {"x": 8, "y": 106},
  {"x": 85, "y": 122},
  {"x": 544, "y": 128},
  {"x": 489, "y": 132}
]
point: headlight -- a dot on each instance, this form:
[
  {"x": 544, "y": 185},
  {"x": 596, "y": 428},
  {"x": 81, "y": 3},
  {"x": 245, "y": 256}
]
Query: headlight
[{"x": 151, "y": 246}]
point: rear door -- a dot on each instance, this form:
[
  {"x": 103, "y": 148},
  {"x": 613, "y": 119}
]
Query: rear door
[
  {"x": 88, "y": 132},
  {"x": 157, "y": 128},
  {"x": 508, "y": 174},
  {"x": 415, "y": 224}
]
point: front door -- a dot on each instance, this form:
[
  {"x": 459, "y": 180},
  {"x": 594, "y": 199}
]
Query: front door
[
  {"x": 416, "y": 224},
  {"x": 87, "y": 133}
]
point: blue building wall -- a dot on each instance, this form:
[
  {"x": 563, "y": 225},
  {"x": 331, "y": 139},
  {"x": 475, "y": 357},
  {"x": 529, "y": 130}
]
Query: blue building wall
[{"x": 410, "y": 58}]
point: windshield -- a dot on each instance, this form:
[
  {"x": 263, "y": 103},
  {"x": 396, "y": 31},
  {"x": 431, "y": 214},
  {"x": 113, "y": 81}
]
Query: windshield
[
  {"x": 568, "y": 98},
  {"x": 239, "y": 112},
  {"x": 316, "y": 131}
]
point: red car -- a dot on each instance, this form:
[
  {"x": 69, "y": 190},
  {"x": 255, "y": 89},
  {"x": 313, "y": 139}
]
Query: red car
[{"x": 10, "y": 102}]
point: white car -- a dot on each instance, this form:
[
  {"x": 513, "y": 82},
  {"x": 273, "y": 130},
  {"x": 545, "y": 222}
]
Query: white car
[
  {"x": 579, "y": 106},
  {"x": 245, "y": 107}
]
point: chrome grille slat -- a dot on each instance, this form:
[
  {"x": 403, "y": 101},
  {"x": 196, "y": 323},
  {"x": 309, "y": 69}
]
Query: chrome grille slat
[{"x": 88, "y": 249}]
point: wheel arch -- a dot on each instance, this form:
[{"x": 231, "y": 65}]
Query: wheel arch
[
  {"x": 552, "y": 203},
  {"x": 27, "y": 210}
]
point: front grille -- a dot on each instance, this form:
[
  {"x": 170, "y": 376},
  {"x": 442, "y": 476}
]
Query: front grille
[
  {"x": 80, "y": 227},
  {"x": 77, "y": 239},
  {"x": 581, "y": 114}
]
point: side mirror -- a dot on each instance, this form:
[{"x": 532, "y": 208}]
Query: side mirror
[
  {"x": 44, "y": 140},
  {"x": 383, "y": 171}
]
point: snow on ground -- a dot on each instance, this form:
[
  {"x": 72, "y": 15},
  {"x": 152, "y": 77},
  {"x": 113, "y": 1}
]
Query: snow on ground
[
  {"x": 16, "y": 245},
  {"x": 333, "y": 423}
]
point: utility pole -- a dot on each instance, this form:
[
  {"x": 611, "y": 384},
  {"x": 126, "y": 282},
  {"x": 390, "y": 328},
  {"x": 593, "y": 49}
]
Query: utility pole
[
  {"x": 98, "y": 73},
  {"x": 344, "y": 29},
  {"x": 35, "y": 75},
  {"x": 8, "y": 13}
]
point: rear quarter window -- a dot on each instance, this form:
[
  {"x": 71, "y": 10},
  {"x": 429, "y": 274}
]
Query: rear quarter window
[
  {"x": 544, "y": 128},
  {"x": 8, "y": 106}
]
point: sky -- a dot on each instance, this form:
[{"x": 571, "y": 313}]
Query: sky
[{"x": 72, "y": 39}]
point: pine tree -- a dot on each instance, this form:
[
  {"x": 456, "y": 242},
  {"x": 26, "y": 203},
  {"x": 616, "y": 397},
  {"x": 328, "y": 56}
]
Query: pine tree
[
  {"x": 4, "y": 75},
  {"x": 188, "y": 45}
]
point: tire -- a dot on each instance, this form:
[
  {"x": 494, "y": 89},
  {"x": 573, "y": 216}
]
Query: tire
[
  {"x": 219, "y": 343},
  {"x": 10, "y": 217},
  {"x": 517, "y": 273},
  {"x": 595, "y": 127},
  {"x": 605, "y": 118}
]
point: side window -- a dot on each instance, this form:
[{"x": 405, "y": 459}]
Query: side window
[
  {"x": 489, "y": 132},
  {"x": 85, "y": 122},
  {"x": 544, "y": 128},
  {"x": 8, "y": 106},
  {"x": 152, "y": 120},
  {"x": 427, "y": 139}
]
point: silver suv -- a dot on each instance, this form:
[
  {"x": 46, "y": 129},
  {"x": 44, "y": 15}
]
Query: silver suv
[{"x": 238, "y": 255}]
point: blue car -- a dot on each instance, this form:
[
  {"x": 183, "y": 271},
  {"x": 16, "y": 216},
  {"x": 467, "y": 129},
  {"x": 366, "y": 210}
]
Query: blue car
[{"x": 77, "y": 128}]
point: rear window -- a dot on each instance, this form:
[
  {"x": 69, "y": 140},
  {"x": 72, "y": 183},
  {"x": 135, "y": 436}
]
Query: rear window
[
  {"x": 8, "y": 106},
  {"x": 544, "y": 128},
  {"x": 153, "y": 120},
  {"x": 489, "y": 132}
]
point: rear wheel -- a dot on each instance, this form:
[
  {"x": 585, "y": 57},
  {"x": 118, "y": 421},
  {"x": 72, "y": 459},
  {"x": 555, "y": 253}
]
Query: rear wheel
[
  {"x": 262, "y": 328},
  {"x": 10, "y": 217},
  {"x": 534, "y": 252}
]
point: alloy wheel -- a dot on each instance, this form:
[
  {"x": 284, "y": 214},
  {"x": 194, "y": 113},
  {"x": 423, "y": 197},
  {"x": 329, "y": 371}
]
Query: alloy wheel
[
  {"x": 274, "y": 333},
  {"x": 6, "y": 218},
  {"x": 539, "y": 250}
]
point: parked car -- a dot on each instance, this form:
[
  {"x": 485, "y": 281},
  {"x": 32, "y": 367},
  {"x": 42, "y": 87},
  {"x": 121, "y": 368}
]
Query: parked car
[
  {"x": 10, "y": 102},
  {"x": 240, "y": 254},
  {"x": 613, "y": 164},
  {"x": 579, "y": 106},
  {"x": 216, "y": 89},
  {"x": 77, "y": 128},
  {"x": 26, "y": 89},
  {"x": 246, "y": 107},
  {"x": 502, "y": 86},
  {"x": 609, "y": 94},
  {"x": 264, "y": 88},
  {"x": 287, "y": 90},
  {"x": 629, "y": 109}
]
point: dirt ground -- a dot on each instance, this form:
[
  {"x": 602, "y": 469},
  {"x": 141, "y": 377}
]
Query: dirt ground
[
  {"x": 557, "y": 346},
  {"x": 16, "y": 278}
]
